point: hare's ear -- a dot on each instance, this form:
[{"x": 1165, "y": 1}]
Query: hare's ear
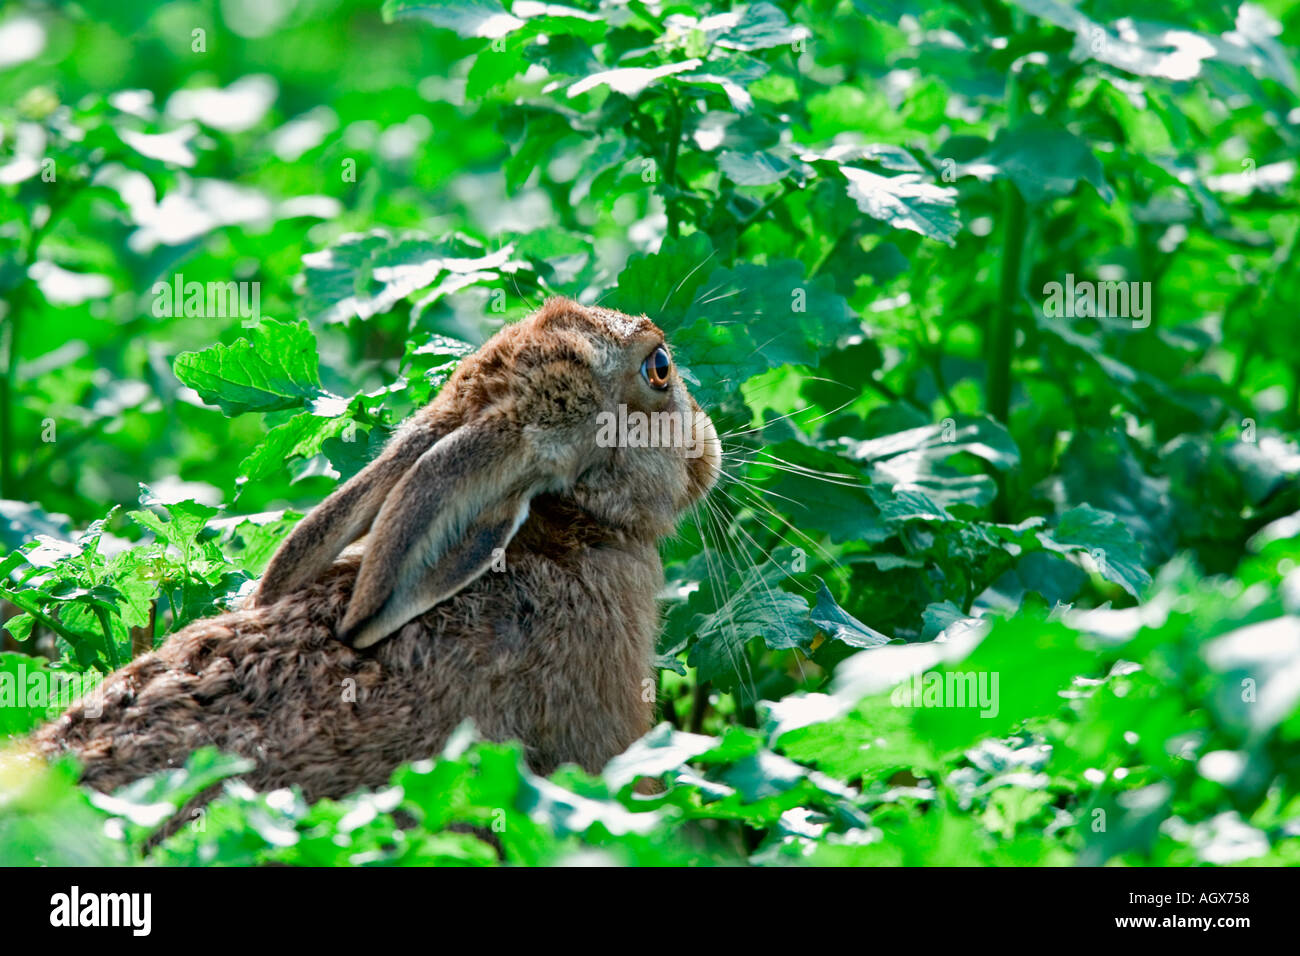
[
  {"x": 342, "y": 517},
  {"x": 440, "y": 527}
]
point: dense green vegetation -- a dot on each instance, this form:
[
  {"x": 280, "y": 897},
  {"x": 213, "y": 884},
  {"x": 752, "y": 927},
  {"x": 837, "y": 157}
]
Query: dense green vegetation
[{"x": 888, "y": 241}]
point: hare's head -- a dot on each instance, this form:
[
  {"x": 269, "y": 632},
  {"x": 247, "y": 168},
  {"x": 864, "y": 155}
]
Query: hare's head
[{"x": 575, "y": 401}]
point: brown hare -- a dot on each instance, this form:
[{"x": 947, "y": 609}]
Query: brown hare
[{"x": 505, "y": 568}]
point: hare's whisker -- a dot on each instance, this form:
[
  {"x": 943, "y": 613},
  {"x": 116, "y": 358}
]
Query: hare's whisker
[
  {"x": 670, "y": 295},
  {"x": 772, "y": 421}
]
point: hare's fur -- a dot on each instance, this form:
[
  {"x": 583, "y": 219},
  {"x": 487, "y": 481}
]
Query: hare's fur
[
  {"x": 551, "y": 646},
  {"x": 273, "y": 684}
]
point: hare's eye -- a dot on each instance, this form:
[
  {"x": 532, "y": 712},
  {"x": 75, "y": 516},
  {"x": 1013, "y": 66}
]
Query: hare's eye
[{"x": 656, "y": 367}]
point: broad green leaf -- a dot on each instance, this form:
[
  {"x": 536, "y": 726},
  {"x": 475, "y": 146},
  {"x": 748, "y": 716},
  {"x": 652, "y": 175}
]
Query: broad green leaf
[
  {"x": 662, "y": 285},
  {"x": 818, "y": 492},
  {"x": 1017, "y": 672},
  {"x": 630, "y": 80},
  {"x": 758, "y": 608},
  {"x": 915, "y": 460},
  {"x": 46, "y": 820},
  {"x": 366, "y": 274},
  {"x": 1116, "y": 556},
  {"x": 733, "y": 75},
  {"x": 905, "y": 202},
  {"x": 759, "y": 26},
  {"x": 1261, "y": 663},
  {"x": 746, "y": 320},
  {"x": 300, "y": 437},
  {"x": 839, "y": 625},
  {"x": 875, "y": 736},
  {"x": 753, "y": 169},
  {"x": 490, "y": 20},
  {"x": 1045, "y": 161},
  {"x": 468, "y": 18},
  {"x": 727, "y": 325},
  {"x": 276, "y": 368}
]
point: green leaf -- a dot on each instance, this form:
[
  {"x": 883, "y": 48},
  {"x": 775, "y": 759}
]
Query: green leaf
[
  {"x": 819, "y": 492},
  {"x": 732, "y": 74},
  {"x": 1017, "y": 672},
  {"x": 839, "y": 625},
  {"x": 761, "y": 168},
  {"x": 20, "y": 521},
  {"x": 186, "y": 520},
  {"x": 1045, "y": 161},
  {"x": 151, "y": 801},
  {"x": 1172, "y": 52},
  {"x": 915, "y": 461},
  {"x": 761, "y": 26},
  {"x": 20, "y": 626},
  {"x": 276, "y": 369},
  {"x": 905, "y": 202},
  {"x": 468, "y": 18},
  {"x": 908, "y": 504},
  {"x": 662, "y": 285},
  {"x": 364, "y": 274},
  {"x": 493, "y": 68},
  {"x": 300, "y": 437},
  {"x": 885, "y": 155},
  {"x": 47, "y": 820},
  {"x": 630, "y": 80},
  {"x": 875, "y": 736},
  {"x": 1105, "y": 538},
  {"x": 746, "y": 320},
  {"x": 488, "y": 19},
  {"x": 758, "y": 608},
  {"x": 256, "y": 537},
  {"x": 661, "y": 750},
  {"x": 1264, "y": 657}
]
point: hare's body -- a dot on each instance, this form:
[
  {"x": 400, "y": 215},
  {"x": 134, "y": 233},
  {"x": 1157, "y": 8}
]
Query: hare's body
[
  {"x": 274, "y": 684},
  {"x": 507, "y": 572}
]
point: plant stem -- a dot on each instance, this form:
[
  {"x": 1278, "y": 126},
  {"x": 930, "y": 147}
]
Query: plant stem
[
  {"x": 110, "y": 646},
  {"x": 7, "y": 487},
  {"x": 764, "y": 209},
  {"x": 889, "y": 393},
  {"x": 8, "y": 389},
  {"x": 1002, "y": 334},
  {"x": 17, "y": 306},
  {"x": 19, "y": 599},
  {"x": 670, "y": 166},
  {"x": 825, "y": 257},
  {"x": 699, "y": 705},
  {"x": 1002, "y": 330}
]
